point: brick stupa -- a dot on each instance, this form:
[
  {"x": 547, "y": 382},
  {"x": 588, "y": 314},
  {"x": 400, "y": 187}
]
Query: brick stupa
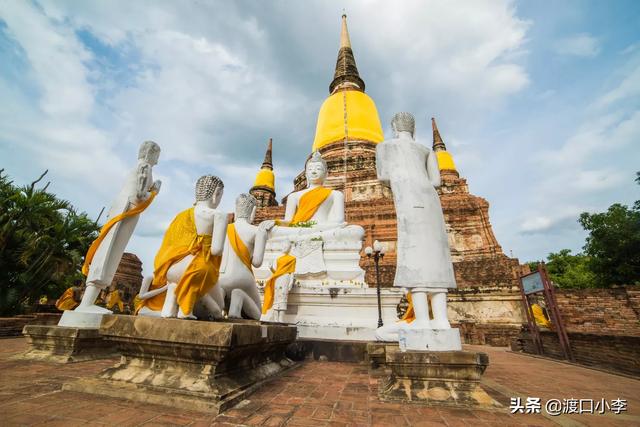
[{"x": 348, "y": 130}]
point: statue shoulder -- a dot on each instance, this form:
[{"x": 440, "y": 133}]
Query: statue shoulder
[
  {"x": 204, "y": 211},
  {"x": 337, "y": 195},
  {"x": 382, "y": 146},
  {"x": 244, "y": 227},
  {"x": 294, "y": 196}
]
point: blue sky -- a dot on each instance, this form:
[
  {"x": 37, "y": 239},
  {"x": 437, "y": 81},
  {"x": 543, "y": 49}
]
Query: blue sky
[{"x": 538, "y": 102}]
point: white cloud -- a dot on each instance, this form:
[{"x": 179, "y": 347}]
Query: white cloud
[
  {"x": 582, "y": 45},
  {"x": 210, "y": 82}
]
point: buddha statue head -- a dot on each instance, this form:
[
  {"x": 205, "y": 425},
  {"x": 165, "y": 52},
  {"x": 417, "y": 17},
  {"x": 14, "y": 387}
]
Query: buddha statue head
[
  {"x": 403, "y": 122},
  {"x": 246, "y": 206},
  {"x": 316, "y": 169},
  {"x": 209, "y": 188},
  {"x": 149, "y": 152}
]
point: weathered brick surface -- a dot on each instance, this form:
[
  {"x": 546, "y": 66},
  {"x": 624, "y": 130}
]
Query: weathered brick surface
[
  {"x": 612, "y": 311},
  {"x": 478, "y": 258},
  {"x": 12, "y": 326},
  {"x": 128, "y": 277},
  {"x": 613, "y": 352},
  {"x": 316, "y": 394}
]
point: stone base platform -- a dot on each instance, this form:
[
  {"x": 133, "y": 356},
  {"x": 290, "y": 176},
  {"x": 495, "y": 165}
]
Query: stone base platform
[
  {"x": 447, "y": 378},
  {"x": 194, "y": 365},
  {"x": 65, "y": 345}
]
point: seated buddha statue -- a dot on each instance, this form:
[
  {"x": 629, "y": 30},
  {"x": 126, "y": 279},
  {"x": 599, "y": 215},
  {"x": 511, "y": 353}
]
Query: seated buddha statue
[{"x": 316, "y": 211}]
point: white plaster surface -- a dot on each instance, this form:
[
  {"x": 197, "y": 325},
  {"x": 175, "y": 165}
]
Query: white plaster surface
[
  {"x": 77, "y": 319},
  {"x": 411, "y": 169},
  {"x": 341, "y": 313},
  {"x": 432, "y": 339}
]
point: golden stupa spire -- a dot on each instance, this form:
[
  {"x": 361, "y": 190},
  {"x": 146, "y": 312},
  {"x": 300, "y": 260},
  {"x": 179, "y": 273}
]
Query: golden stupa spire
[
  {"x": 348, "y": 113},
  {"x": 346, "y": 75},
  {"x": 445, "y": 160}
]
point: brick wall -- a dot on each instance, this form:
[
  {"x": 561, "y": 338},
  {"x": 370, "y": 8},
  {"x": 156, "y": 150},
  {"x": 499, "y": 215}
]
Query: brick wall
[
  {"x": 613, "y": 311},
  {"x": 617, "y": 353}
]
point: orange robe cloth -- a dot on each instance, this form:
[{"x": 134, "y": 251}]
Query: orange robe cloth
[
  {"x": 309, "y": 203},
  {"x": 107, "y": 227},
  {"x": 66, "y": 301},
  {"x": 114, "y": 299},
  {"x": 409, "y": 315},
  {"x": 539, "y": 317},
  {"x": 180, "y": 240},
  {"x": 238, "y": 246},
  {"x": 286, "y": 264}
]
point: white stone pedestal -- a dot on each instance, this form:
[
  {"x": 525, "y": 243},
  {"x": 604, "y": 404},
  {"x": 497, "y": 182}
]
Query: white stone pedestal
[
  {"x": 76, "y": 319},
  {"x": 334, "y": 312},
  {"x": 430, "y": 339}
]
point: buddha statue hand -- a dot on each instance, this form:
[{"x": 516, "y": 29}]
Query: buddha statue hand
[
  {"x": 143, "y": 176},
  {"x": 266, "y": 226},
  {"x": 155, "y": 187}
]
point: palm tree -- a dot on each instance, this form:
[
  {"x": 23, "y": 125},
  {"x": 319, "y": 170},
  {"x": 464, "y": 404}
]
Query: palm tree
[{"x": 42, "y": 244}]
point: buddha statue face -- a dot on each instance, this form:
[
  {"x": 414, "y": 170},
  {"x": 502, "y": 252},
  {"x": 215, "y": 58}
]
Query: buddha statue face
[
  {"x": 316, "y": 169},
  {"x": 149, "y": 152},
  {"x": 209, "y": 188}
]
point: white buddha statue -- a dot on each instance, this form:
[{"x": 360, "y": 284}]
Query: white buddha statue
[
  {"x": 105, "y": 253},
  {"x": 423, "y": 256},
  {"x": 187, "y": 266},
  {"x": 316, "y": 210},
  {"x": 244, "y": 249},
  {"x": 326, "y": 248},
  {"x": 283, "y": 283}
]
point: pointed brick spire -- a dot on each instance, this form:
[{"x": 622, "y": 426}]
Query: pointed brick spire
[
  {"x": 345, "y": 41},
  {"x": 268, "y": 161},
  {"x": 264, "y": 185},
  {"x": 346, "y": 75},
  {"x": 438, "y": 143}
]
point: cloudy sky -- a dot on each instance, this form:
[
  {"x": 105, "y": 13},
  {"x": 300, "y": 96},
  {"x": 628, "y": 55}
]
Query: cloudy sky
[{"x": 538, "y": 102}]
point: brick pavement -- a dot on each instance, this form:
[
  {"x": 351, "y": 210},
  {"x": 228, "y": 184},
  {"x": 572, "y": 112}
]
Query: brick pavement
[{"x": 316, "y": 394}]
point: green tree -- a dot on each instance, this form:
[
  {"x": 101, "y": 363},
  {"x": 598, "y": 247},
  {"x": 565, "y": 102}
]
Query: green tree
[
  {"x": 567, "y": 270},
  {"x": 613, "y": 244},
  {"x": 42, "y": 243},
  {"x": 570, "y": 271}
]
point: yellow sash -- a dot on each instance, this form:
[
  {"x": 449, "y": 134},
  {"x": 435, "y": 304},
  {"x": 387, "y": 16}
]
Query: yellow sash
[
  {"x": 181, "y": 239},
  {"x": 109, "y": 225},
  {"x": 66, "y": 301},
  {"x": 137, "y": 304},
  {"x": 538, "y": 315},
  {"x": 409, "y": 315},
  {"x": 238, "y": 246},
  {"x": 286, "y": 264},
  {"x": 309, "y": 203},
  {"x": 114, "y": 298}
]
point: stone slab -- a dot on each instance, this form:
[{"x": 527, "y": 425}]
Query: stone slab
[
  {"x": 194, "y": 365},
  {"x": 444, "y": 378},
  {"x": 61, "y": 344},
  {"x": 336, "y": 312},
  {"x": 336, "y": 350},
  {"x": 432, "y": 339},
  {"x": 77, "y": 319}
]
